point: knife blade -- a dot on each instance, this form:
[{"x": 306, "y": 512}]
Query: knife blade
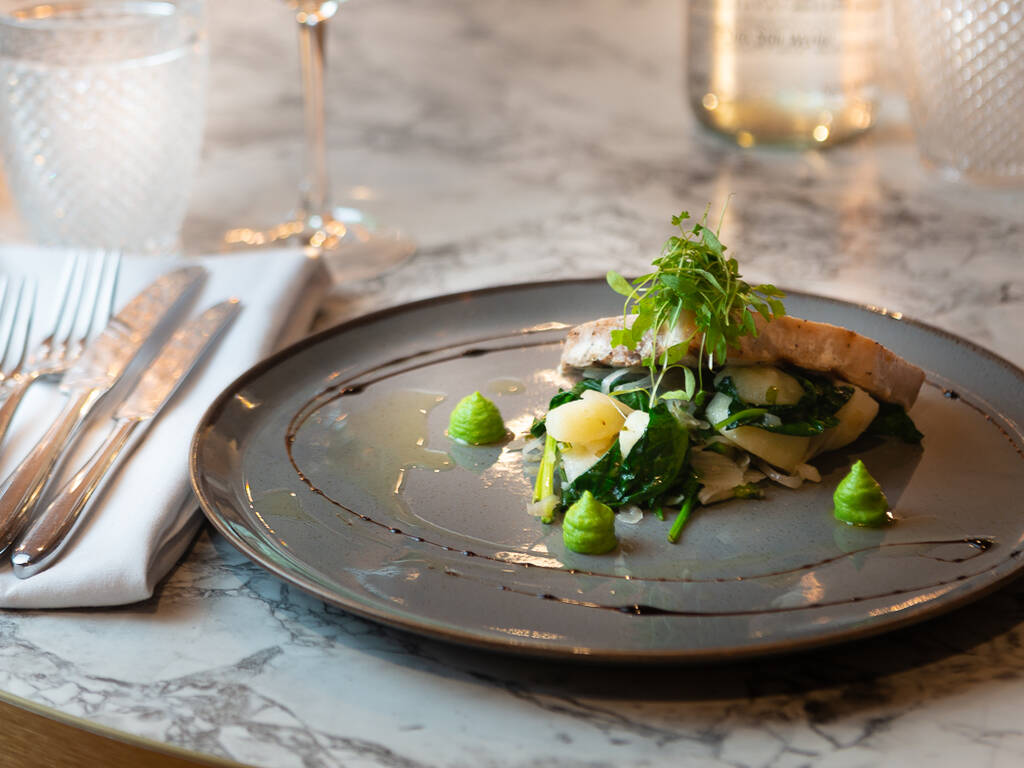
[
  {"x": 46, "y": 537},
  {"x": 93, "y": 374}
]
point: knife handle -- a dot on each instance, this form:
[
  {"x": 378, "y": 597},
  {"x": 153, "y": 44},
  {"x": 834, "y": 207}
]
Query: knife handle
[
  {"x": 44, "y": 540},
  {"x": 20, "y": 491}
]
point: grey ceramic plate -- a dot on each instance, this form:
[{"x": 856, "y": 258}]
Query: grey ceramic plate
[{"x": 328, "y": 465}]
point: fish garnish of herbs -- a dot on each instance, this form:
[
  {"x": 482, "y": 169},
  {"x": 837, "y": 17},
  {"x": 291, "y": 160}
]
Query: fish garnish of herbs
[
  {"x": 683, "y": 429},
  {"x": 692, "y": 274}
]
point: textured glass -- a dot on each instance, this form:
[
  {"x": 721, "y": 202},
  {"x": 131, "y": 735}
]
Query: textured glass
[
  {"x": 964, "y": 66},
  {"x": 101, "y": 116}
]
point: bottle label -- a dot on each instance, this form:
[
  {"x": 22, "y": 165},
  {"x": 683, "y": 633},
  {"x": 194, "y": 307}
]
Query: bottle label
[{"x": 816, "y": 46}]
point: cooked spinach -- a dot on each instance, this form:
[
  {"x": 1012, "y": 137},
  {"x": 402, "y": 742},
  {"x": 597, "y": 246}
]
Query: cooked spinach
[
  {"x": 567, "y": 395},
  {"x": 643, "y": 476},
  {"x": 892, "y": 421},
  {"x": 812, "y": 415}
]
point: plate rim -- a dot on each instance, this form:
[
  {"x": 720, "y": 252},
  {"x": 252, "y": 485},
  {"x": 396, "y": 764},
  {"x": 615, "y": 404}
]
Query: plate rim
[{"x": 425, "y": 627}]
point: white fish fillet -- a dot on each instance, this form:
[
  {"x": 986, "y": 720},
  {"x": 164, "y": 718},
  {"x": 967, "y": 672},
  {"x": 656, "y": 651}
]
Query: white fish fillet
[{"x": 806, "y": 344}]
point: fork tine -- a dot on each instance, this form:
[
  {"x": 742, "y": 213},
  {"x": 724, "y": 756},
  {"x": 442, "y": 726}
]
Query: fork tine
[
  {"x": 27, "y": 314},
  {"x": 6, "y": 334},
  {"x": 16, "y": 324},
  {"x": 76, "y": 295},
  {"x": 92, "y": 283},
  {"x": 115, "y": 268},
  {"x": 101, "y": 284},
  {"x": 64, "y": 301},
  {"x": 106, "y": 288},
  {"x": 82, "y": 292}
]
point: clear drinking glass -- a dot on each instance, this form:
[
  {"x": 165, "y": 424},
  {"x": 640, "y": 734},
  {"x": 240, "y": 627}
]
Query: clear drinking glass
[
  {"x": 963, "y": 62},
  {"x": 102, "y": 105},
  {"x": 354, "y": 245}
]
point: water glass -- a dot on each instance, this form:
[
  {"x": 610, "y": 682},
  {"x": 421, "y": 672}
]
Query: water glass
[
  {"x": 102, "y": 105},
  {"x": 964, "y": 66}
]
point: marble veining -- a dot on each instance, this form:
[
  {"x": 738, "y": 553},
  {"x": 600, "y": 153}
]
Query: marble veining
[
  {"x": 249, "y": 668},
  {"x": 519, "y": 140}
]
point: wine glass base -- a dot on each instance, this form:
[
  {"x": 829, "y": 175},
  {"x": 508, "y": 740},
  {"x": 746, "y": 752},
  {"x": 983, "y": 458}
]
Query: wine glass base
[{"x": 349, "y": 241}]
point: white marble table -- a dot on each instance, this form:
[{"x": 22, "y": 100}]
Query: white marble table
[{"x": 523, "y": 140}]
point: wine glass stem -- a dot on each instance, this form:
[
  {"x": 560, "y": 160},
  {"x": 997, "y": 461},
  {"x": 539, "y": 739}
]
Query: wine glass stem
[{"x": 315, "y": 187}]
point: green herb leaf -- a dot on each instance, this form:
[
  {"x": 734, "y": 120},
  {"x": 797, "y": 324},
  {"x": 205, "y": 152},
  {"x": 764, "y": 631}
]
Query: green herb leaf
[
  {"x": 710, "y": 239},
  {"x": 693, "y": 274},
  {"x": 622, "y": 337},
  {"x": 619, "y": 284},
  {"x": 675, "y": 394}
]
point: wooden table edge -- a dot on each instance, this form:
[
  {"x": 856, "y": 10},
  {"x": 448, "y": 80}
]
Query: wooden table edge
[{"x": 40, "y": 735}]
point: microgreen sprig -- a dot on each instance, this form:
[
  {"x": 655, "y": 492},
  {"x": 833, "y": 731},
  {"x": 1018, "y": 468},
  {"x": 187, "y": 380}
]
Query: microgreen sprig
[{"x": 694, "y": 275}]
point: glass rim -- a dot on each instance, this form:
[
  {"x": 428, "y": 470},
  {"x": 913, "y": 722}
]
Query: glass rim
[{"x": 87, "y": 15}]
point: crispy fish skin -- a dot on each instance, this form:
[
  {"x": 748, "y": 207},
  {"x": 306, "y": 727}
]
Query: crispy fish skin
[{"x": 806, "y": 344}]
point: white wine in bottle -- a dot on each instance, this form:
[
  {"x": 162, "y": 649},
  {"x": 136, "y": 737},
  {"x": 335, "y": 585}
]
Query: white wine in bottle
[{"x": 790, "y": 72}]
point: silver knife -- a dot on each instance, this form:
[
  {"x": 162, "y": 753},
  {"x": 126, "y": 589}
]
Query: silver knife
[
  {"x": 44, "y": 540},
  {"x": 95, "y": 372}
]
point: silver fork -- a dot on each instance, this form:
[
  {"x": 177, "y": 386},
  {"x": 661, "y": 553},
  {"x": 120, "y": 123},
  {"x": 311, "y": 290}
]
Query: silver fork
[
  {"x": 86, "y": 296},
  {"x": 17, "y": 306}
]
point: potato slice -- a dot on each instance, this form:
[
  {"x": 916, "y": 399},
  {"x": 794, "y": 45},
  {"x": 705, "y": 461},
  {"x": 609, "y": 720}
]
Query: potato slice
[
  {"x": 753, "y": 383},
  {"x": 593, "y": 419},
  {"x": 577, "y": 460},
  {"x": 854, "y": 417},
  {"x": 632, "y": 430},
  {"x": 782, "y": 451}
]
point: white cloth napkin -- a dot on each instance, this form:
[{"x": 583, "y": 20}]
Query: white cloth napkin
[{"x": 147, "y": 514}]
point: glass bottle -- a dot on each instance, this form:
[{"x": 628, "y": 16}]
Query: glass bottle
[{"x": 790, "y": 72}]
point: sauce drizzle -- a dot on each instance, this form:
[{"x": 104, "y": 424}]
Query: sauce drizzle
[{"x": 976, "y": 546}]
